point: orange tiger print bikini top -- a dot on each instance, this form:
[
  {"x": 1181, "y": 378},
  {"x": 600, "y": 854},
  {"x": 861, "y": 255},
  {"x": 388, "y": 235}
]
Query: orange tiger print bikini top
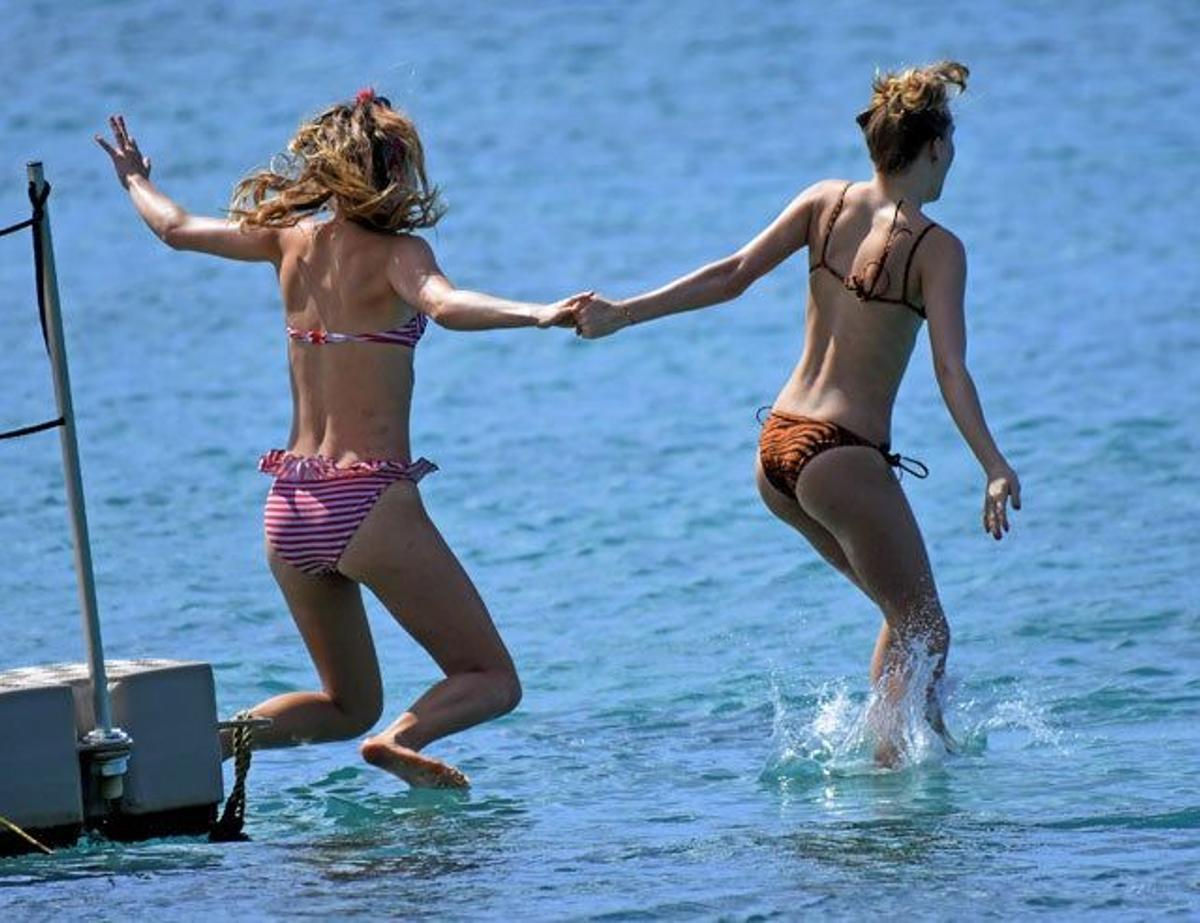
[{"x": 855, "y": 283}]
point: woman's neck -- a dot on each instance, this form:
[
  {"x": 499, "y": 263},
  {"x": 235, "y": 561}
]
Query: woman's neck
[{"x": 909, "y": 186}]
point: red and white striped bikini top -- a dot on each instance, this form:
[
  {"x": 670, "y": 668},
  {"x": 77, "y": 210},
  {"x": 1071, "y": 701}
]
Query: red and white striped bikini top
[{"x": 408, "y": 335}]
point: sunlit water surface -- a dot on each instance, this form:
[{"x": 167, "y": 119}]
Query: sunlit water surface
[{"x": 691, "y": 741}]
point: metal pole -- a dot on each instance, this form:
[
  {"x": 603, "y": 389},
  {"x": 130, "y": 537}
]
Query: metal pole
[{"x": 104, "y": 734}]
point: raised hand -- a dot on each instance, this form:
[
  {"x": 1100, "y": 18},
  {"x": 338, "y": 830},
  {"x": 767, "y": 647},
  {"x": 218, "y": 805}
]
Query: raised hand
[
  {"x": 598, "y": 317},
  {"x": 127, "y": 159},
  {"x": 562, "y": 313},
  {"x": 1002, "y": 487}
]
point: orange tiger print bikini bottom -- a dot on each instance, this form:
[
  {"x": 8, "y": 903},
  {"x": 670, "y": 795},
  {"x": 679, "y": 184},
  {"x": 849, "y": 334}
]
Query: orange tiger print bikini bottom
[{"x": 788, "y": 443}]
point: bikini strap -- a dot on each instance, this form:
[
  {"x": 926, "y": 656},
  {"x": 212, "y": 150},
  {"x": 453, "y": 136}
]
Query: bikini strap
[
  {"x": 908, "y": 266},
  {"x": 913, "y": 466},
  {"x": 887, "y": 251},
  {"x": 833, "y": 217}
]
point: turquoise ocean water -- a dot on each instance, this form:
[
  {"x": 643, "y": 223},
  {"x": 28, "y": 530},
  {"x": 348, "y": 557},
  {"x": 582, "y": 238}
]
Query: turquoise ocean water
[{"x": 693, "y": 674}]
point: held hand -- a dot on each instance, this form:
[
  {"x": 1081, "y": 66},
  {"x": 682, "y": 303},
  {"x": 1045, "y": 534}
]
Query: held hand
[
  {"x": 1002, "y": 486},
  {"x": 599, "y": 318},
  {"x": 562, "y": 313},
  {"x": 127, "y": 159}
]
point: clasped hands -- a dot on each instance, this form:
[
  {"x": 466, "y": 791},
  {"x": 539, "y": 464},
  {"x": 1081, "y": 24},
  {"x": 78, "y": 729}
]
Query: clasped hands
[{"x": 591, "y": 316}]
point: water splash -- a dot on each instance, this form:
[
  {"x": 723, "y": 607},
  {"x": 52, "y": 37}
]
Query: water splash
[
  {"x": 832, "y": 731},
  {"x": 978, "y": 717}
]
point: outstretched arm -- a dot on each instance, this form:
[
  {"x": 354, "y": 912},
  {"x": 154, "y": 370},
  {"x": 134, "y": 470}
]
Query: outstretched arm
[
  {"x": 169, "y": 221},
  {"x": 715, "y": 283},
  {"x": 417, "y": 280},
  {"x": 943, "y": 283}
]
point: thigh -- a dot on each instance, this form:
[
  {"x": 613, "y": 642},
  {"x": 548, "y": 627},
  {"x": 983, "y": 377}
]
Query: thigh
[
  {"x": 852, "y": 492},
  {"x": 789, "y": 510},
  {"x": 399, "y": 554},
  {"x": 329, "y": 612}
]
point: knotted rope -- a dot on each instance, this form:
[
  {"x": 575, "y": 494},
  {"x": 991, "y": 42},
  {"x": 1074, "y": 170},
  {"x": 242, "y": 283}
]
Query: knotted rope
[{"x": 228, "y": 829}]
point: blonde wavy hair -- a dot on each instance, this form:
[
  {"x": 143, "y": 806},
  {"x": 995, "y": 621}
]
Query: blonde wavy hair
[
  {"x": 908, "y": 109},
  {"x": 361, "y": 158}
]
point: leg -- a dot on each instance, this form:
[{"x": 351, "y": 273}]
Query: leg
[
  {"x": 399, "y": 554},
  {"x": 883, "y": 646},
  {"x": 788, "y": 509},
  {"x": 328, "y": 610},
  {"x": 852, "y": 493}
]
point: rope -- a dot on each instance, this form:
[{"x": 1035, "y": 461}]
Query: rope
[
  {"x": 228, "y": 829},
  {"x": 38, "y": 203},
  {"x": 30, "y": 430},
  {"x": 39, "y": 213},
  {"x": 19, "y": 226},
  {"x": 9, "y": 825}
]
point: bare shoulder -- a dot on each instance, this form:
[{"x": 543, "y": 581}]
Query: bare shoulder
[
  {"x": 825, "y": 191},
  {"x": 412, "y": 269},
  {"x": 294, "y": 237},
  {"x": 941, "y": 252},
  {"x": 816, "y": 201},
  {"x": 410, "y": 245},
  {"x": 946, "y": 242},
  {"x": 941, "y": 270},
  {"x": 411, "y": 252}
]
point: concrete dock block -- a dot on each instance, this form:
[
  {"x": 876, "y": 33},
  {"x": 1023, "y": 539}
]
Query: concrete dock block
[
  {"x": 173, "y": 783},
  {"x": 39, "y": 768}
]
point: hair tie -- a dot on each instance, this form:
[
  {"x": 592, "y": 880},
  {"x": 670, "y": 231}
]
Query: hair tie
[{"x": 364, "y": 96}]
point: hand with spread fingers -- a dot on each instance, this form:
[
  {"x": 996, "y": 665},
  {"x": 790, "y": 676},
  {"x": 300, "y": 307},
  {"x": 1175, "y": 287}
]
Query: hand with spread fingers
[
  {"x": 127, "y": 159},
  {"x": 1002, "y": 487},
  {"x": 598, "y": 317}
]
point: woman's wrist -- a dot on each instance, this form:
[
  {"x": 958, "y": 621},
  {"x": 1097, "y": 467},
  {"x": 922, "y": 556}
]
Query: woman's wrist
[
  {"x": 625, "y": 312},
  {"x": 136, "y": 180},
  {"x": 997, "y": 467}
]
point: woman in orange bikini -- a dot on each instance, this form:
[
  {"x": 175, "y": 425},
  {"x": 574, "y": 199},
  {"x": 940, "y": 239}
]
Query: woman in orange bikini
[
  {"x": 879, "y": 267},
  {"x": 344, "y": 509}
]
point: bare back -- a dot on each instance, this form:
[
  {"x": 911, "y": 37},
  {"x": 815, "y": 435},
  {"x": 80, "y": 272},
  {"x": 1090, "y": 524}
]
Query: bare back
[
  {"x": 350, "y": 400},
  {"x": 862, "y": 315}
]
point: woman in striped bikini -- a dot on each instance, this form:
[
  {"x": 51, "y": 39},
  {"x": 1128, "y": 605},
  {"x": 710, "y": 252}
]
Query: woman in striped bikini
[
  {"x": 344, "y": 509},
  {"x": 879, "y": 268}
]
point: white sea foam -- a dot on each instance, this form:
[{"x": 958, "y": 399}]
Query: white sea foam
[{"x": 834, "y": 731}]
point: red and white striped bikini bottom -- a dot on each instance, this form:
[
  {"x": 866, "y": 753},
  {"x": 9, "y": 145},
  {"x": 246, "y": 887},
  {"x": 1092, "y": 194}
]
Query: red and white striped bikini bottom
[{"x": 315, "y": 507}]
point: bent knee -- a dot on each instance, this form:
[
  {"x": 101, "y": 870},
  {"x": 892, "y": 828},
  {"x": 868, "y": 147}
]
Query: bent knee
[
  {"x": 507, "y": 688},
  {"x": 923, "y": 625},
  {"x": 359, "y": 717}
]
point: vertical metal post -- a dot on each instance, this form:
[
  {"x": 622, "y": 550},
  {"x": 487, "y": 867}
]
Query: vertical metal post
[{"x": 104, "y": 736}]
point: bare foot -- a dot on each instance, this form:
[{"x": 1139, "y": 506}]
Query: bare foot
[{"x": 415, "y": 768}]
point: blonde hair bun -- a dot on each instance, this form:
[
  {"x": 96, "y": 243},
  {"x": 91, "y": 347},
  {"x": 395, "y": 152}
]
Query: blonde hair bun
[{"x": 908, "y": 109}]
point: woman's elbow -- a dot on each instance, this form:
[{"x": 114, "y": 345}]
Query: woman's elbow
[
  {"x": 738, "y": 278},
  {"x": 950, "y": 371},
  {"x": 174, "y": 234},
  {"x": 442, "y": 311},
  {"x": 735, "y": 287}
]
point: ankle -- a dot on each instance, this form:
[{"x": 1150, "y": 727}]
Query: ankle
[{"x": 401, "y": 733}]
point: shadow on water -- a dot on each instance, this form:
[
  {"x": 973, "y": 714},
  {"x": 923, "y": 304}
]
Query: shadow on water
[
  {"x": 100, "y": 858},
  {"x": 348, "y": 834},
  {"x": 337, "y": 827},
  {"x": 886, "y": 825},
  {"x": 846, "y": 812}
]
